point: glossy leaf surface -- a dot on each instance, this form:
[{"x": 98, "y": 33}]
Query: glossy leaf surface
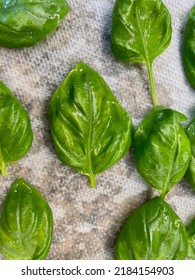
[
  {"x": 15, "y": 129},
  {"x": 190, "y": 174},
  {"x": 152, "y": 232},
  {"x": 191, "y": 240},
  {"x": 26, "y": 223},
  {"x": 189, "y": 48},
  {"x": 141, "y": 30},
  {"x": 162, "y": 149},
  {"x": 90, "y": 129},
  {"x": 24, "y": 23}
]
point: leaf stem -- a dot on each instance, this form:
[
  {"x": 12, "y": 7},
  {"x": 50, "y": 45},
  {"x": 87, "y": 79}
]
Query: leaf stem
[
  {"x": 92, "y": 180},
  {"x": 152, "y": 83},
  {"x": 2, "y": 165},
  {"x": 3, "y": 169}
]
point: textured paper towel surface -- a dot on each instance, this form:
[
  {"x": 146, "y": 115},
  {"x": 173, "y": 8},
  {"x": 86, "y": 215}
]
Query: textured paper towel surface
[{"x": 87, "y": 221}]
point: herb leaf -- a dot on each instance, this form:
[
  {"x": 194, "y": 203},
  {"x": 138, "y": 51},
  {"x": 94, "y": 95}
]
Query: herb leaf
[
  {"x": 190, "y": 173},
  {"x": 141, "y": 30},
  {"x": 26, "y": 223},
  {"x": 90, "y": 129},
  {"x": 24, "y": 23},
  {"x": 162, "y": 149},
  {"x": 15, "y": 129},
  {"x": 152, "y": 232},
  {"x": 191, "y": 239},
  {"x": 189, "y": 48}
]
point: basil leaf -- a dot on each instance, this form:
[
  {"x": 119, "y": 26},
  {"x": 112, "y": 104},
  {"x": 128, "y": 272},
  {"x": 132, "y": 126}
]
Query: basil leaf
[
  {"x": 90, "y": 129},
  {"x": 15, "y": 129},
  {"x": 24, "y": 23},
  {"x": 141, "y": 30},
  {"x": 191, "y": 240},
  {"x": 190, "y": 173},
  {"x": 188, "y": 52},
  {"x": 26, "y": 223},
  {"x": 152, "y": 232},
  {"x": 162, "y": 149}
]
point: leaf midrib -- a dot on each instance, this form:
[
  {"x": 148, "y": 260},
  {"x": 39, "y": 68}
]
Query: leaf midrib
[
  {"x": 89, "y": 142},
  {"x": 146, "y": 58},
  {"x": 174, "y": 148}
]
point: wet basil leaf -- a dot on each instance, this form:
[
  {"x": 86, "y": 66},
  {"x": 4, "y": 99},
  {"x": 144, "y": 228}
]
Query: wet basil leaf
[
  {"x": 90, "y": 129},
  {"x": 141, "y": 30},
  {"x": 26, "y": 223},
  {"x": 24, "y": 23},
  {"x": 162, "y": 149},
  {"x": 191, "y": 240},
  {"x": 15, "y": 129},
  {"x": 190, "y": 174},
  {"x": 189, "y": 48},
  {"x": 152, "y": 232}
]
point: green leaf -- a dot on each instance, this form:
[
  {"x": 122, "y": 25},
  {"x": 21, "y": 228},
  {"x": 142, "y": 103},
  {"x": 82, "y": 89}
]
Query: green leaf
[
  {"x": 26, "y": 223},
  {"x": 190, "y": 173},
  {"x": 191, "y": 239},
  {"x": 26, "y": 22},
  {"x": 15, "y": 129},
  {"x": 141, "y": 30},
  {"x": 162, "y": 149},
  {"x": 152, "y": 232},
  {"x": 189, "y": 48},
  {"x": 90, "y": 129}
]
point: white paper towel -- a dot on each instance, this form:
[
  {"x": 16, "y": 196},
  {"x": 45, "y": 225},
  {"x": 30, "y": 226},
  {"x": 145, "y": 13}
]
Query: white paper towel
[{"x": 87, "y": 221}]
